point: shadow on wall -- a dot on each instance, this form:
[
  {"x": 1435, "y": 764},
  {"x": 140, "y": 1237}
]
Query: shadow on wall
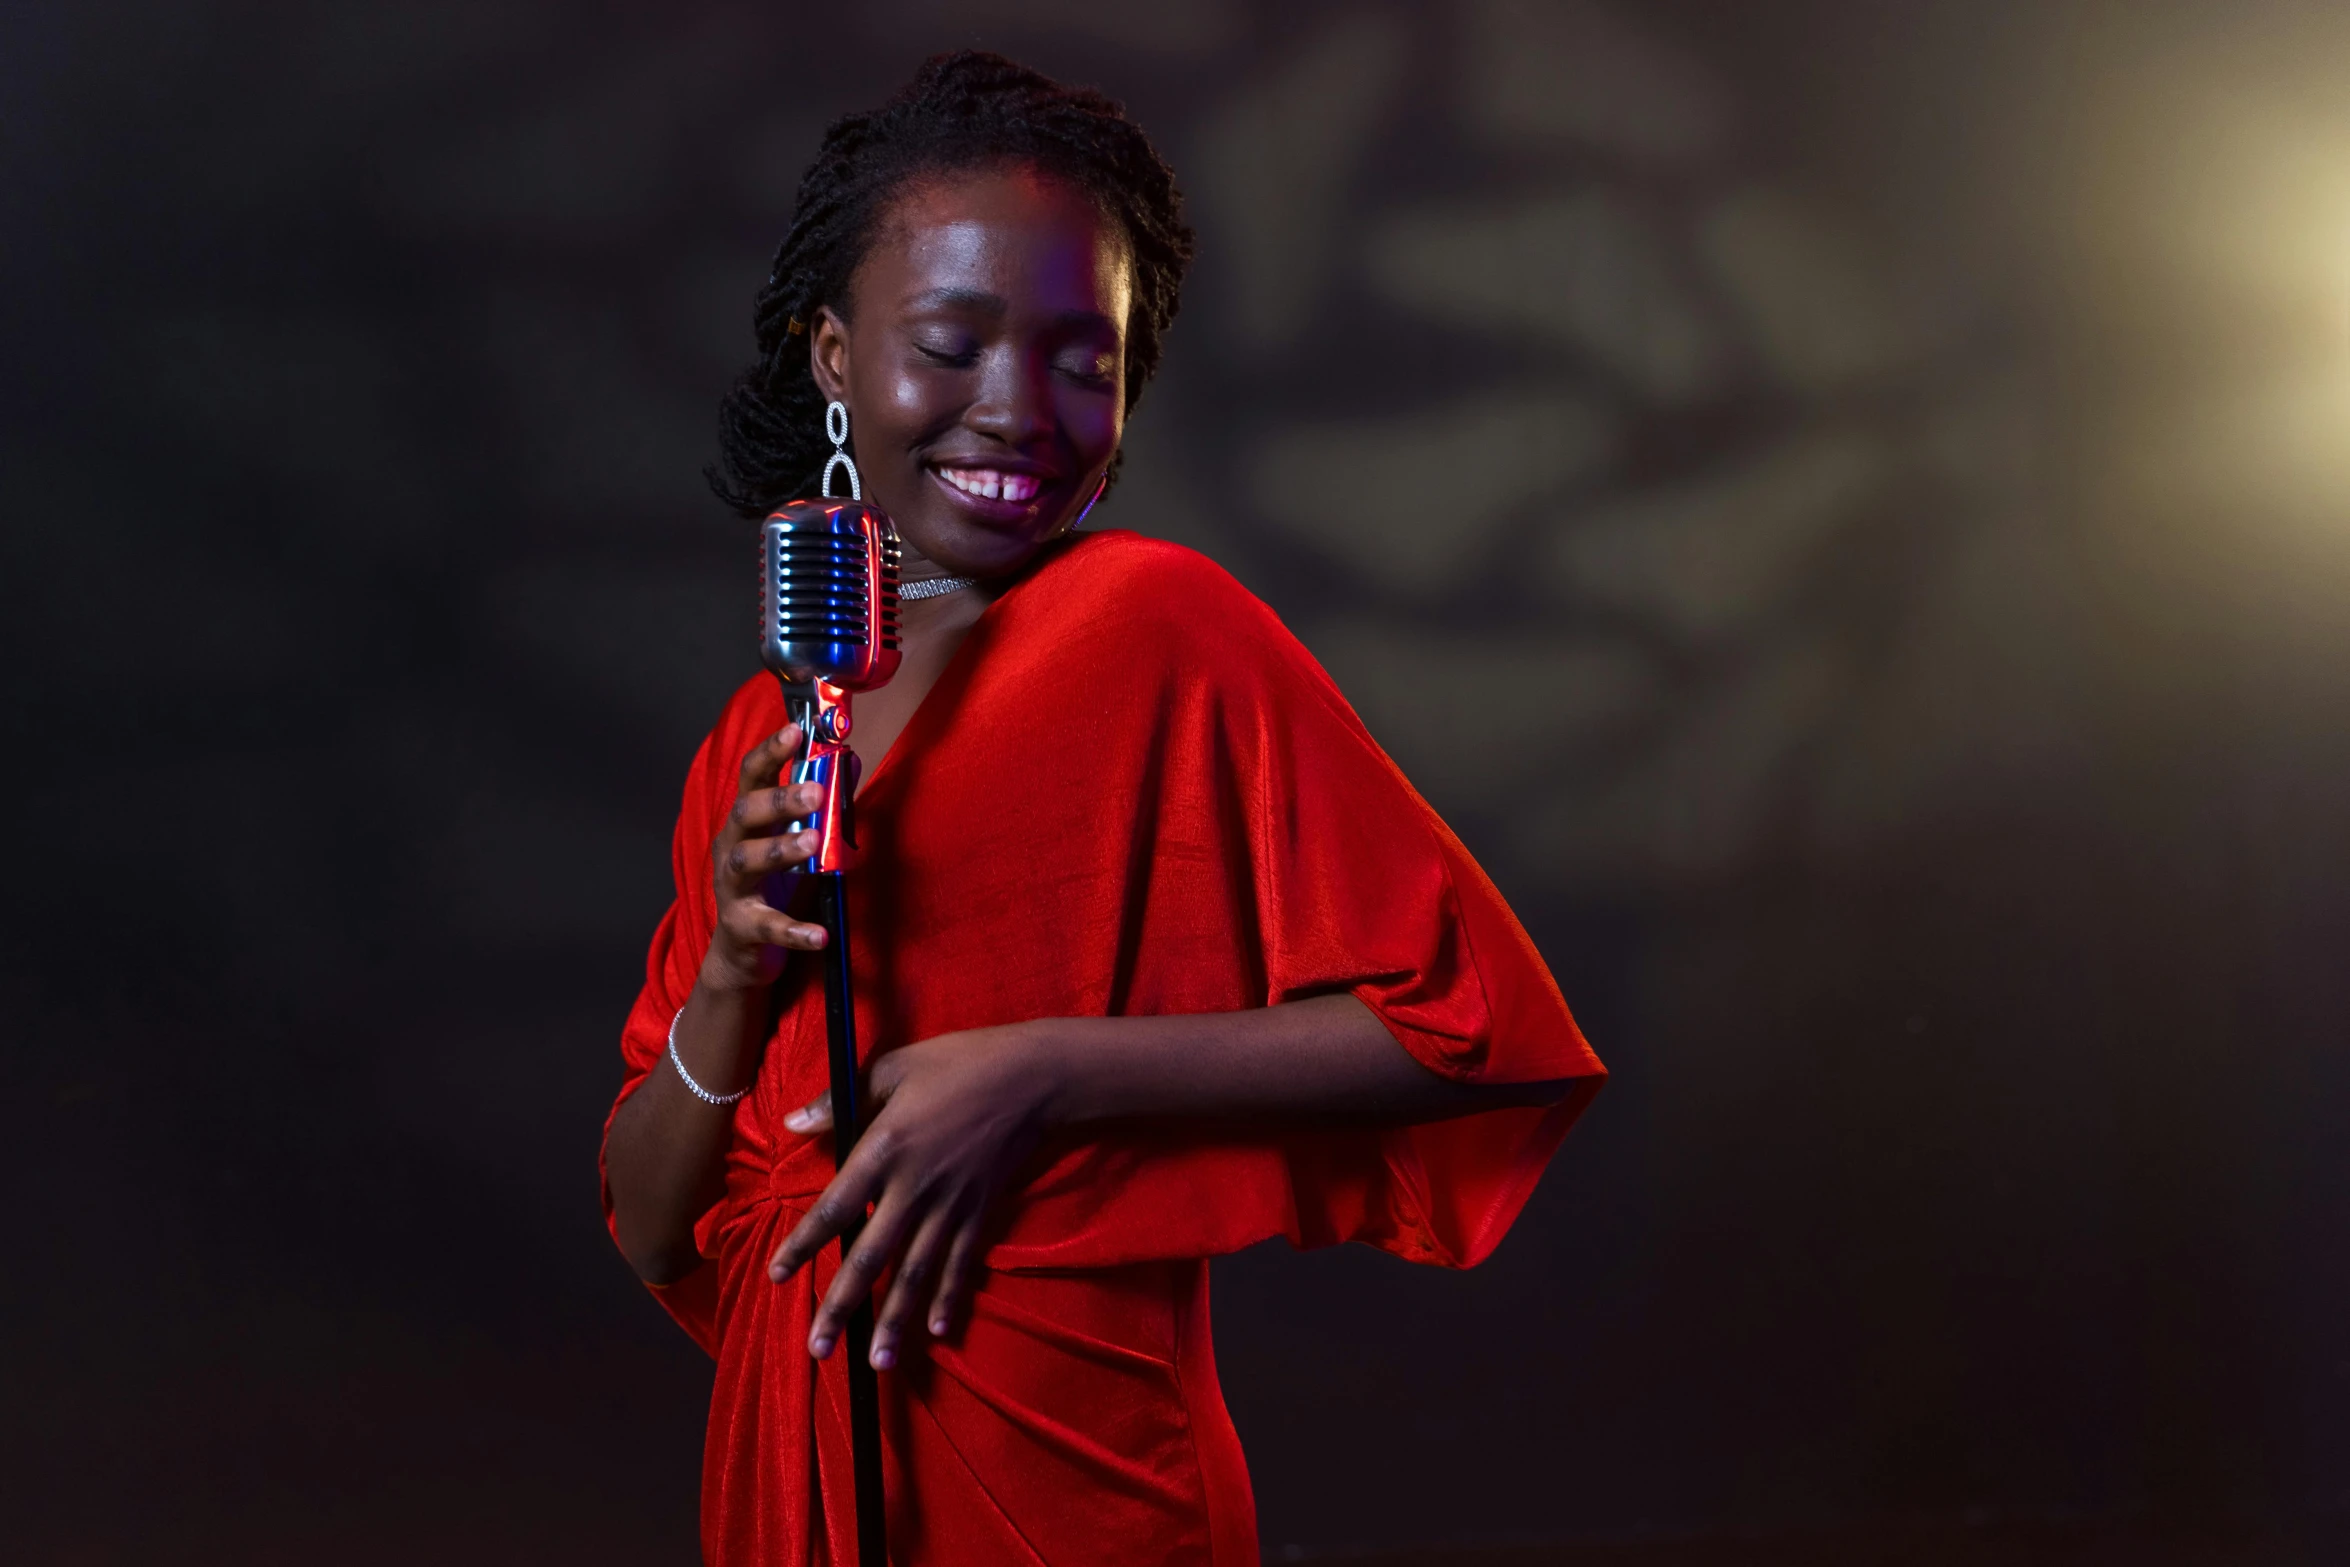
[{"x": 1532, "y": 405}]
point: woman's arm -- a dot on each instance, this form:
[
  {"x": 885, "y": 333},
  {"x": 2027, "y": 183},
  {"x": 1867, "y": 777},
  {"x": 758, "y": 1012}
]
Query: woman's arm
[
  {"x": 665, "y": 1156},
  {"x": 954, "y": 1117},
  {"x": 1329, "y": 1057}
]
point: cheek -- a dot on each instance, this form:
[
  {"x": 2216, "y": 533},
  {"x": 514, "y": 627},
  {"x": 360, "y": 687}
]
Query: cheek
[
  {"x": 1092, "y": 423},
  {"x": 910, "y": 402},
  {"x": 895, "y": 403}
]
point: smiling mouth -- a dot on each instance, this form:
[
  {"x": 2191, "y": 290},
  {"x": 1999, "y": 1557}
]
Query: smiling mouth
[{"x": 992, "y": 484}]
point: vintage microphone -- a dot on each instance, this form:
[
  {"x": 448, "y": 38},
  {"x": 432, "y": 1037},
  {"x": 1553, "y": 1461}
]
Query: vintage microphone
[{"x": 828, "y": 627}]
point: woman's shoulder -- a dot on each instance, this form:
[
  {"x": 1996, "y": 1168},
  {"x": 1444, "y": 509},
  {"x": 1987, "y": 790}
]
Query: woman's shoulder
[
  {"x": 1121, "y": 554},
  {"x": 1137, "y": 593},
  {"x": 1146, "y": 612}
]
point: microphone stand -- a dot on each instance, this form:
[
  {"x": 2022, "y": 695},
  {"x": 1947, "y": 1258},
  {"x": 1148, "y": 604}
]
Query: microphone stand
[
  {"x": 823, "y": 716},
  {"x": 840, "y": 1035}
]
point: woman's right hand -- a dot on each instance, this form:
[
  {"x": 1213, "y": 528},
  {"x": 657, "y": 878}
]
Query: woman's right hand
[{"x": 752, "y": 938}]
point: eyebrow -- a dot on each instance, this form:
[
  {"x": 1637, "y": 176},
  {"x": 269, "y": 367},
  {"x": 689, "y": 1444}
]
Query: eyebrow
[
  {"x": 997, "y": 305},
  {"x": 967, "y": 298}
]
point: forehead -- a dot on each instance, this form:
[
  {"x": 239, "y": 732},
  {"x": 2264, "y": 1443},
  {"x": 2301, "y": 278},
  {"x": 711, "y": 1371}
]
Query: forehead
[{"x": 1024, "y": 236}]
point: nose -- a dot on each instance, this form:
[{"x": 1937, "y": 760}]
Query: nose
[{"x": 1014, "y": 404}]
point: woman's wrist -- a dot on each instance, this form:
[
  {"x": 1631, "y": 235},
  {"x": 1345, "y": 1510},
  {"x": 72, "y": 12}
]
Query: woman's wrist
[
  {"x": 720, "y": 979},
  {"x": 713, "y": 1032}
]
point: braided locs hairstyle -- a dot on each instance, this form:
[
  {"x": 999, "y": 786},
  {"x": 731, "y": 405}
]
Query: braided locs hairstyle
[{"x": 961, "y": 111}]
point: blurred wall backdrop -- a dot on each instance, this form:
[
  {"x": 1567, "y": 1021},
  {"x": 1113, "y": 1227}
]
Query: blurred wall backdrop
[{"x": 1891, "y": 466}]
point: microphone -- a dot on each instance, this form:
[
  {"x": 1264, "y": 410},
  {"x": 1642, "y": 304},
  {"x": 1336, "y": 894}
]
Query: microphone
[{"x": 828, "y": 627}]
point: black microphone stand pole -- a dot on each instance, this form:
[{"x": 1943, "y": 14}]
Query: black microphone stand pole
[
  {"x": 827, "y": 760},
  {"x": 848, "y": 1121}
]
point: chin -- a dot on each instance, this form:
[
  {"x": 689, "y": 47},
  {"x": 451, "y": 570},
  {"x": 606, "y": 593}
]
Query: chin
[{"x": 965, "y": 548}]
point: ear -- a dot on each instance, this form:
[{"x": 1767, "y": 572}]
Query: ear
[{"x": 828, "y": 355}]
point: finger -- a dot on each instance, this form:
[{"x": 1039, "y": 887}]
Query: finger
[
  {"x": 814, "y": 1116},
  {"x": 956, "y": 1273},
  {"x": 919, "y": 1267},
  {"x": 752, "y": 858},
  {"x": 841, "y": 1205},
  {"x": 767, "y": 758},
  {"x": 759, "y": 809},
  {"x": 882, "y": 1076},
  {"x": 754, "y": 922},
  {"x": 878, "y": 1244}
]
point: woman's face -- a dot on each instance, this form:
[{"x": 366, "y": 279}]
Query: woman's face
[{"x": 985, "y": 367}]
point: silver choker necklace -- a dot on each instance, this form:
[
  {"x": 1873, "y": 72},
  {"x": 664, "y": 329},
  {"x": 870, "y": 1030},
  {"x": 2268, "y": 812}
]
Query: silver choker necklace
[{"x": 934, "y": 587}]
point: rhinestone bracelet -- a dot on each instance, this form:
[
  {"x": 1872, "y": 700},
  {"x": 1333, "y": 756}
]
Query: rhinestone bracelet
[{"x": 696, "y": 1089}]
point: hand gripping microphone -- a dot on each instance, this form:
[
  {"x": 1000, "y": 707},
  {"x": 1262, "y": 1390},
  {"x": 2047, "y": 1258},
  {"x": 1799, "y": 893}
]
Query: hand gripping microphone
[{"x": 828, "y": 627}]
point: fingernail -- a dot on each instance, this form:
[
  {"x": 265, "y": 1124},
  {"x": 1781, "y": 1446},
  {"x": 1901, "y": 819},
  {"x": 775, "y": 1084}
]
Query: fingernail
[
  {"x": 820, "y": 1347},
  {"x": 938, "y": 1327},
  {"x": 882, "y": 1358},
  {"x": 778, "y": 1272},
  {"x": 796, "y": 1120}
]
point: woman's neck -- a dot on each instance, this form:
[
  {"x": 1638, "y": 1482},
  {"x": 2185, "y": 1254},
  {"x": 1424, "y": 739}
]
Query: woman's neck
[{"x": 929, "y": 633}]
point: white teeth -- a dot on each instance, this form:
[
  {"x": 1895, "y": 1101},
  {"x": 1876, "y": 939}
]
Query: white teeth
[{"x": 1018, "y": 488}]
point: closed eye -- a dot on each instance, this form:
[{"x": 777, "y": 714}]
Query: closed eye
[
  {"x": 960, "y": 358},
  {"x": 1088, "y": 369}
]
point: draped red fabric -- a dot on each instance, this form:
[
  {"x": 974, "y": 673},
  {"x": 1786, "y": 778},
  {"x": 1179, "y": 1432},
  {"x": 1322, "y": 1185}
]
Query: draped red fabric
[{"x": 1132, "y": 792}]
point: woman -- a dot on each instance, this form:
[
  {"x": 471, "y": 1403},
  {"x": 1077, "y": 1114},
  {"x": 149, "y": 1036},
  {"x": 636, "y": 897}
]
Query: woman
[{"x": 1159, "y": 956}]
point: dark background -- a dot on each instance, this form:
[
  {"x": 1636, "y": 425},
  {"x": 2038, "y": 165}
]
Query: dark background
[{"x": 1891, "y": 477}]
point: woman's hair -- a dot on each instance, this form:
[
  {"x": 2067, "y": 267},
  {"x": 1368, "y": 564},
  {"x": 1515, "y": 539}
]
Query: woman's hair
[{"x": 965, "y": 110}]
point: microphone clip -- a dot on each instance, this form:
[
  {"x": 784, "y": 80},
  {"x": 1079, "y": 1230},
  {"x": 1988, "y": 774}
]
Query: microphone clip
[{"x": 821, "y": 709}]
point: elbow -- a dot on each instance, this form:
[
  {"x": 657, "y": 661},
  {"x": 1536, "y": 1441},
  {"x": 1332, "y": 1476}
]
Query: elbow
[
  {"x": 668, "y": 1268},
  {"x": 662, "y": 1262},
  {"x": 1554, "y": 1091}
]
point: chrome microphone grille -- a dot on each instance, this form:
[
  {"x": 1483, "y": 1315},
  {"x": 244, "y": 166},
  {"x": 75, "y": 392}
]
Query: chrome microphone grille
[{"x": 828, "y": 594}]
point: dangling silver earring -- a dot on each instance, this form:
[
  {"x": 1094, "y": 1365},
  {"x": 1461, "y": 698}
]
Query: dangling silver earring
[
  {"x": 836, "y": 430},
  {"x": 1079, "y": 520}
]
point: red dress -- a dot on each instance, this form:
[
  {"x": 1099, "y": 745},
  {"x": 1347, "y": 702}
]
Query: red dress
[{"x": 1131, "y": 792}]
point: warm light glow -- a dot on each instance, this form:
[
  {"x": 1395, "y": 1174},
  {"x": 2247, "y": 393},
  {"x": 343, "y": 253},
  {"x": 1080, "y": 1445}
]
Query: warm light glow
[{"x": 2213, "y": 230}]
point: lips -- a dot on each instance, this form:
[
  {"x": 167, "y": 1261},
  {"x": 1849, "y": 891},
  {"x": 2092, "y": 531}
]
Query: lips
[{"x": 991, "y": 496}]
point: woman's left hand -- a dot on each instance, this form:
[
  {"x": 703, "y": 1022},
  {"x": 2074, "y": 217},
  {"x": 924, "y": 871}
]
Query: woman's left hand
[{"x": 951, "y": 1121}]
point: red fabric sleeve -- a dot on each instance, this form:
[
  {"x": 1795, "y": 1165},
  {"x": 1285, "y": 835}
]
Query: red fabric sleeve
[
  {"x": 679, "y": 944},
  {"x": 1361, "y": 887}
]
